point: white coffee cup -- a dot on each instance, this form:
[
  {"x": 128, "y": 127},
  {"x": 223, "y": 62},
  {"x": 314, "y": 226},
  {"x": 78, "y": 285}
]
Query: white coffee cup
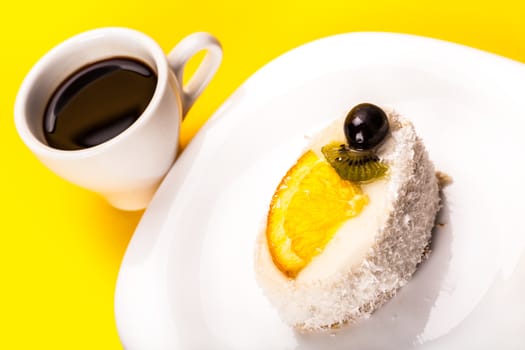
[{"x": 128, "y": 168}]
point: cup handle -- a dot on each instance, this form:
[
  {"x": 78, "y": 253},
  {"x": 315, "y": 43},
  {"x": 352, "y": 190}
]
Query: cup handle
[{"x": 182, "y": 53}]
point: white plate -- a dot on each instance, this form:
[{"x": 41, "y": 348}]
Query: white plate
[{"x": 187, "y": 279}]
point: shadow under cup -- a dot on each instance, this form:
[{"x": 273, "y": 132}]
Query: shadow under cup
[{"x": 128, "y": 167}]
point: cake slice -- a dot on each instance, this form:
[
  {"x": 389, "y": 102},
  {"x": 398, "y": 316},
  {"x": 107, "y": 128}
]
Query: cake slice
[{"x": 349, "y": 222}]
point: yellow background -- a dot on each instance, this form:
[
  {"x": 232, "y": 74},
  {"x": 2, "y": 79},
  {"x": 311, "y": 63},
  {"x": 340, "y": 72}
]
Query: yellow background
[{"x": 61, "y": 246}]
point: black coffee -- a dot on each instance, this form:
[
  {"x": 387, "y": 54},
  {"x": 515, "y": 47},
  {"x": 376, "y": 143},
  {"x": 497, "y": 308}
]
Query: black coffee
[{"x": 98, "y": 102}]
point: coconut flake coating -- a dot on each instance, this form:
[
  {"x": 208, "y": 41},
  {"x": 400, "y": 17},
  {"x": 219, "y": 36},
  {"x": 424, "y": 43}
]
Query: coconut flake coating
[{"x": 399, "y": 245}]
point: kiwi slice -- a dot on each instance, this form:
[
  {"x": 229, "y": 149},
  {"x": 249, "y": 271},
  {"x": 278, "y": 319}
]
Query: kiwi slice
[{"x": 353, "y": 165}]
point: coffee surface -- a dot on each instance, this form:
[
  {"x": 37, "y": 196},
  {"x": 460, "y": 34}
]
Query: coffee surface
[{"x": 98, "y": 102}]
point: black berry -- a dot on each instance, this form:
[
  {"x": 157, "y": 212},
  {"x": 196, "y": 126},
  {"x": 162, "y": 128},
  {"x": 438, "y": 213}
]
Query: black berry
[{"x": 366, "y": 126}]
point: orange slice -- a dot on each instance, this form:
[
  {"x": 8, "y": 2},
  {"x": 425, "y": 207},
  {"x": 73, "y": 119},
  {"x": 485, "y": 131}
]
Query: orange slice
[{"x": 308, "y": 207}]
